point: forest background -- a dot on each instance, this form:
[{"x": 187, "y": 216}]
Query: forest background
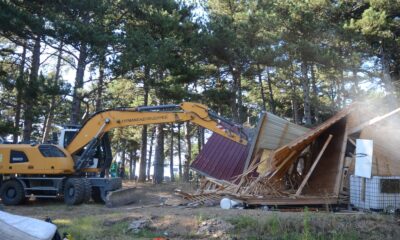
[{"x": 61, "y": 61}]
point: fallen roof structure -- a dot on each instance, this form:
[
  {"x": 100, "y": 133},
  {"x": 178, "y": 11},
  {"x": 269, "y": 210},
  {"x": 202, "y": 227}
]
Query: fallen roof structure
[
  {"x": 315, "y": 166},
  {"x": 293, "y": 178},
  {"x": 224, "y": 159}
]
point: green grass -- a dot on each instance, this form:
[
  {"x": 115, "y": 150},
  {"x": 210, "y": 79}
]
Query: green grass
[
  {"x": 272, "y": 225},
  {"x": 92, "y": 228},
  {"x": 200, "y": 218},
  {"x": 303, "y": 227}
]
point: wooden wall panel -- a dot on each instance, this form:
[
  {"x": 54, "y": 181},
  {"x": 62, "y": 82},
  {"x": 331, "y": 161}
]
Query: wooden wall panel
[{"x": 323, "y": 181}]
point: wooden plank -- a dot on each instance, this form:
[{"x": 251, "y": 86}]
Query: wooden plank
[
  {"x": 292, "y": 201},
  {"x": 352, "y": 141},
  {"x": 260, "y": 177},
  {"x": 303, "y": 183},
  {"x": 288, "y": 158},
  {"x": 254, "y": 143},
  {"x": 339, "y": 183}
]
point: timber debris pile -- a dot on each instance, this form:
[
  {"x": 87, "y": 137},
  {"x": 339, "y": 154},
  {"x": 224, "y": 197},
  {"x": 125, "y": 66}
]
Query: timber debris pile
[{"x": 337, "y": 162}]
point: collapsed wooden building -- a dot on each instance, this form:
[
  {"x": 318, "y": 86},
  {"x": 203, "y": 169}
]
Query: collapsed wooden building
[{"x": 286, "y": 164}]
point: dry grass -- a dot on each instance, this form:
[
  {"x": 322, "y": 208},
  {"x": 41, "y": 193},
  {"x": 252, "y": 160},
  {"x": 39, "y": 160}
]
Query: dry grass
[
  {"x": 307, "y": 226},
  {"x": 95, "y": 221}
]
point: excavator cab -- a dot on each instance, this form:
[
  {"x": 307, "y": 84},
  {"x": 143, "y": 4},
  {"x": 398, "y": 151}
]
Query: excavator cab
[
  {"x": 65, "y": 135},
  {"x": 101, "y": 159}
]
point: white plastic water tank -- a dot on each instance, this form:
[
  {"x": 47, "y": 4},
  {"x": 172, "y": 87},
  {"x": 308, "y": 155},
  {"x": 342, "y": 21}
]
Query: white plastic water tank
[{"x": 375, "y": 193}]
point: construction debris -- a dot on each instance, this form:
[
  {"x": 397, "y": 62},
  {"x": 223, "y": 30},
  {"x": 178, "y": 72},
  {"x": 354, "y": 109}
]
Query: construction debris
[{"x": 286, "y": 164}]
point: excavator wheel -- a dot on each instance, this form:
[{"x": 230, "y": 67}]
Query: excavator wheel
[
  {"x": 74, "y": 191},
  {"x": 12, "y": 192},
  {"x": 88, "y": 190}
]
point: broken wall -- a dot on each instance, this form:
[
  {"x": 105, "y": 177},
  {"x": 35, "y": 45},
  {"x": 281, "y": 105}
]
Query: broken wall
[{"x": 324, "y": 179}]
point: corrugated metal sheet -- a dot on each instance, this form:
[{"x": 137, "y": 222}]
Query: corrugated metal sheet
[
  {"x": 273, "y": 132},
  {"x": 221, "y": 158},
  {"x": 278, "y": 132}
]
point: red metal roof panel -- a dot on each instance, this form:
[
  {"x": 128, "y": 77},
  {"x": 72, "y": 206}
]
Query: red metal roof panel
[{"x": 221, "y": 158}]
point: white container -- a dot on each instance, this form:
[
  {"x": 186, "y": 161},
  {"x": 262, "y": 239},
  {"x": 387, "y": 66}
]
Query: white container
[
  {"x": 376, "y": 193},
  {"x": 227, "y": 203}
]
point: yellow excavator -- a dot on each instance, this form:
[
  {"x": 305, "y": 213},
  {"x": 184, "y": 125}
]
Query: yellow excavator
[{"x": 74, "y": 168}]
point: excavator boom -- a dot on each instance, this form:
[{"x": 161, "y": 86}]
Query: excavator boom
[{"x": 89, "y": 135}]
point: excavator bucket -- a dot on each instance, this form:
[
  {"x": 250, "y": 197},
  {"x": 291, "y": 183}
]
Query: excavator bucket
[{"x": 120, "y": 197}]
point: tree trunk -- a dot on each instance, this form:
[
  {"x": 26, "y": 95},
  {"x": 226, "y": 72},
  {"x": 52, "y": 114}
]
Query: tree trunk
[
  {"x": 387, "y": 79},
  {"x": 262, "y": 92},
  {"x": 237, "y": 82},
  {"x": 171, "y": 156},
  {"x": 235, "y": 90},
  {"x": 143, "y": 150},
  {"x": 199, "y": 143},
  {"x": 132, "y": 164},
  {"x": 272, "y": 105},
  {"x": 188, "y": 156},
  {"x": 50, "y": 115},
  {"x": 295, "y": 105},
  {"x": 30, "y": 97},
  {"x": 342, "y": 93},
  {"x": 315, "y": 95},
  {"x": 153, "y": 132},
  {"x": 306, "y": 94},
  {"x": 123, "y": 159},
  {"x": 76, "y": 97},
  {"x": 242, "y": 117},
  {"x": 19, "y": 87},
  {"x": 179, "y": 152},
  {"x": 99, "y": 97},
  {"x": 159, "y": 156}
]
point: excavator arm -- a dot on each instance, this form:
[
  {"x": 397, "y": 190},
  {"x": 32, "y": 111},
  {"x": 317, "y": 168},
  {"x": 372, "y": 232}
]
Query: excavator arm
[{"x": 92, "y": 131}]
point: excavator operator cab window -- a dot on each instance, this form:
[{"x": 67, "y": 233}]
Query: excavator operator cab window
[
  {"x": 68, "y": 136},
  {"x": 18, "y": 157},
  {"x": 50, "y": 151}
]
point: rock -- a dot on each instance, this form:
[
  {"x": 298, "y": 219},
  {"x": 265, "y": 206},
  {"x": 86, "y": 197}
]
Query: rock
[
  {"x": 137, "y": 225},
  {"x": 215, "y": 228}
]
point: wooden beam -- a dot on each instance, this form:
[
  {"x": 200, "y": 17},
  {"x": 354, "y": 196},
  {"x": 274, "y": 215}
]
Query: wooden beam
[
  {"x": 266, "y": 174},
  {"x": 263, "y": 120},
  {"x": 291, "y": 201},
  {"x": 254, "y": 143},
  {"x": 352, "y": 141},
  {"x": 283, "y": 163},
  {"x": 372, "y": 121},
  {"x": 338, "y": 183},
  {"x": 303, "y": 183}
]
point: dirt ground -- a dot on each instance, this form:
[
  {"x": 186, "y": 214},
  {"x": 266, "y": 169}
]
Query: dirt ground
[{"x": 153, "y": 204}]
